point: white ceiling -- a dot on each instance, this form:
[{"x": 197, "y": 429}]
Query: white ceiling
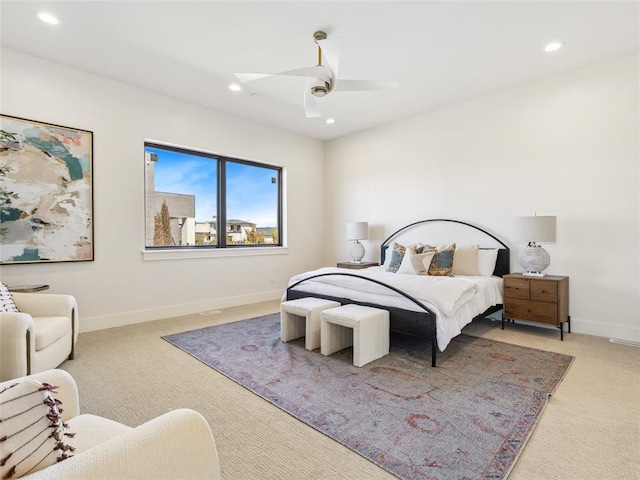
[{"x": 439, "y": 52}]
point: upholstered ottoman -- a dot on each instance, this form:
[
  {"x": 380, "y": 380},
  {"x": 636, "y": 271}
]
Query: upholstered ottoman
[
  {"x": 301, "y": 318},
  {"x": 366, "y": 328}
]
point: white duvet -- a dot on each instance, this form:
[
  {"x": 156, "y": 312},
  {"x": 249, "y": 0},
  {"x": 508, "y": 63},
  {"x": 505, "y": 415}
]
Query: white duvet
[{"x": 454, "y": 300}]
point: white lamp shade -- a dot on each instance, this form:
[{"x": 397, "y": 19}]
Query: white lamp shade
[
  {"x": 357, "y": 231},
  {"x": 539, "y": 229}
]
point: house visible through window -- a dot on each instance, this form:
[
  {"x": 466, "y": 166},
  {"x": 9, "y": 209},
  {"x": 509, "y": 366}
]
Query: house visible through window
[{"x": 189, "y": 195}]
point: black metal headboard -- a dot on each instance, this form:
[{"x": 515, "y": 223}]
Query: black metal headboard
[{"x": 504, "y": 254}]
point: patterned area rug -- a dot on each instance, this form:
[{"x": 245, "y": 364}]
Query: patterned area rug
[{"x": 469, "y": 418}]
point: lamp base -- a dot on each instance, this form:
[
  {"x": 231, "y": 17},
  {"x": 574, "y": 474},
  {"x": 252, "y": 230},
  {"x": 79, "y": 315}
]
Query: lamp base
[
  {"x": 534, "y": 274},
  {"x": 357, "y": 252},
  {"x": 534, "y": 259}
]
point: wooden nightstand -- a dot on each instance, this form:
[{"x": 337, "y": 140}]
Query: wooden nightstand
[
  {"x": 356, "y": 266},
  {"x": 537, "y": 299}
]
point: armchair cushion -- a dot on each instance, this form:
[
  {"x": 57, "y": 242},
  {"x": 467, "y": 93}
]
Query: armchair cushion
[
  {"x": 50, "y": 329},
  {"x": 31, "y": 429}
]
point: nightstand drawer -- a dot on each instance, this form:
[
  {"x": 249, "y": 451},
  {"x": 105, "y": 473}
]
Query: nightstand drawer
[
  {"x": 544, "y": 291},
  {"x": 516, "y": 288},
  {"x": 532, "y": 311}
]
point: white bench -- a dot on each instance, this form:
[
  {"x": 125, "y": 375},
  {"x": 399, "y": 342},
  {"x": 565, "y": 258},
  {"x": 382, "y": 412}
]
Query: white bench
[
  {"x": 301, "y": 318},
  {"x": 366, "y": 328}
]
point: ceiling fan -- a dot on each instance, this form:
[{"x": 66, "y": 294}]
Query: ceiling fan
[{"x": 322, "y": 79}]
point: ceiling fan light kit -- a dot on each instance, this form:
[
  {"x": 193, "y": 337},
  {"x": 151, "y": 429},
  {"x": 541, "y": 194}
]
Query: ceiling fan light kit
[
  {"x": 322, "y": 79},
  {"x": 320, "y": 91}
]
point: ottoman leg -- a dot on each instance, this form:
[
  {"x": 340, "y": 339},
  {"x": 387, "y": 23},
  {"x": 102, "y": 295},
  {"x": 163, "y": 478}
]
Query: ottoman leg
[
  {"x": 334, "y": 338},
  {"x": 291, "y": 326}
]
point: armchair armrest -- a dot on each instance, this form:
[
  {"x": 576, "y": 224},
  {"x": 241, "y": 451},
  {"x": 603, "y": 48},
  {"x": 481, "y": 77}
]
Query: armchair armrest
[
  {"x": 178, "y": 444},
  {"x": 49, "y": 305},
  {"x": 67, "y": 391},
  {"x": 45, "y": 304},
  {"x": 13, "y": 344}
]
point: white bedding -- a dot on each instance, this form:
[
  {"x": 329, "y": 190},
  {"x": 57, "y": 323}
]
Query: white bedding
[{"x": 454, "y": 300}]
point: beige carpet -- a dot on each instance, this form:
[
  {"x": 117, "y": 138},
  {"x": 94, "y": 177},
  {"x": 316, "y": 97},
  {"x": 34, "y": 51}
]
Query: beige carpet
[{"x": 590, "y": 429}]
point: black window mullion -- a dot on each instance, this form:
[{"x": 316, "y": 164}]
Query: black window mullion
[
  {"x": 280, "y": 207},
  {"x": 222, "y": 203}
]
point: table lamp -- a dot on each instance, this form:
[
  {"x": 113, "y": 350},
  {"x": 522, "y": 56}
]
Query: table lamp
[
  {"x": 357, "y": 231},
  {"x": 534, "y": 230}
]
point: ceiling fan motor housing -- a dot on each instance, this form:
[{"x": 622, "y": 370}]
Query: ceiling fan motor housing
[
  {"x": 319, "y": 36},
  {"x": 320, "y": 90}
]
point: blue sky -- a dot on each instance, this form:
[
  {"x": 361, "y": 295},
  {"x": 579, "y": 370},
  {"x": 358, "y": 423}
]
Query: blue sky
[{"x": 250, "y": 194}]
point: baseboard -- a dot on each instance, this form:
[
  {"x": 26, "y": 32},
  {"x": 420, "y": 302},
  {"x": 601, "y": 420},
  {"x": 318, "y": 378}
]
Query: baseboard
[
  {"x": 607, "y": 330},
  {"x": 588, "y": 327},
  {"x": 90, "y": 324}
]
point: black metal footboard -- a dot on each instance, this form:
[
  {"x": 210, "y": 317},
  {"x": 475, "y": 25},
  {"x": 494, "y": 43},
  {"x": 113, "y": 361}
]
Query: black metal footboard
[{"x": 422, "y": 324}]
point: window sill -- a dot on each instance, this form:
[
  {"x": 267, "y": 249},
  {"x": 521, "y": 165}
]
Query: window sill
[{"x": 184, "y": 254}]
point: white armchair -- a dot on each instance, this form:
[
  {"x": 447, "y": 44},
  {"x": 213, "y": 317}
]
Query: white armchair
[
  {"x": 40, "y": 337},
  {"x": 176, "y": 445}
]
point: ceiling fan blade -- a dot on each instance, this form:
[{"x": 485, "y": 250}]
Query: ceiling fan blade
[
  {"x": 310, "y": 107},
  {"x": 248, "y": 77},
  {"x": 319, "y": 72},
  {"x": 331, "y": 51},
  {"x": 354, "y": 85}
]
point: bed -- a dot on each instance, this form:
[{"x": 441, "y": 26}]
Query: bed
[{"x": 433, "y": 307}]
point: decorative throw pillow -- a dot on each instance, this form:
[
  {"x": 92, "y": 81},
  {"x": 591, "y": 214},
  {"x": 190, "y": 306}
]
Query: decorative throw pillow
[
  {"x": 6, "y": 300},
  {"x": 31, "y": 429},
  {"x": 465, "y": 260},
  {"x": 407, "y": 265},
  {"x": 421, "y": 261},
  {"x": 417, "y": 247},
  {"x": 442, "y": 262},
  {"x": 397, "y": 255},
  {"x": 487, "y": 261}
]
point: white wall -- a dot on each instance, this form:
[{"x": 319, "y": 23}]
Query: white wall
[
  {"x": 119, "y": 287},
  {"x": 565, "y": 146}
]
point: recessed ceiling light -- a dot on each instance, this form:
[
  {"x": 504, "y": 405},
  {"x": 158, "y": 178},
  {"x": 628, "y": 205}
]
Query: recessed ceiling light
[
  {"x": 48, "y": 18},
  {"x": 553, "y": 46},
  {"x": 330, "y": 121},
  {"x": 235, "y": 87}
]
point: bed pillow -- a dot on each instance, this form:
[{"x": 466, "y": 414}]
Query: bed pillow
[
  {"x": 487, "y": 258},
  {"x": 397, "y": 255},
  {"x": 405, "y": 266},
  {"x": 465, "y": 260},
  {"x": 7, "y": 304},
  {"x": 442, "y": 263},
  {"x": 31, "y": 431}
]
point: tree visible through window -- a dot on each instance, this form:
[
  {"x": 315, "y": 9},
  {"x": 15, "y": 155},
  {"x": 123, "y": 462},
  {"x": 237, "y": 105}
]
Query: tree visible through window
[{"x": 189, "y": 195}]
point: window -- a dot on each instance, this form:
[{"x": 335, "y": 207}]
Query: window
[{"x": 200, "y": 200}]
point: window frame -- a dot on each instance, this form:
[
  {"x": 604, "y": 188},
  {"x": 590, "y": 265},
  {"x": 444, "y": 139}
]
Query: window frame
[{"x": 152, "y": 252}]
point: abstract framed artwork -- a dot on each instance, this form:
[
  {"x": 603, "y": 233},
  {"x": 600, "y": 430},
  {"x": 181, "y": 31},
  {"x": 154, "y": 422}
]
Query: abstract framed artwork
[{"x": 46, "y": 192}]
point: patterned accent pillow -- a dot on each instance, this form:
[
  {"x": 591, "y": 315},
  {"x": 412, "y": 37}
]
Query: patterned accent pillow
[
  {"x": 31, "y": 429},
  {"x": 408, "y": 262},
  {"x": 417, "y": 247},
  {"x": 6, "y": 300},
  {"x": 421, "y": 261},
  {"x": 442, "y": 262},
  {"x": 396, "y": 257}
]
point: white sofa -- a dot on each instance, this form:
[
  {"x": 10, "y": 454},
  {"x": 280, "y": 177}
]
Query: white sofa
[
  {"x": 176, "y": 445},
  {"x": 39, "y": 337}
]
